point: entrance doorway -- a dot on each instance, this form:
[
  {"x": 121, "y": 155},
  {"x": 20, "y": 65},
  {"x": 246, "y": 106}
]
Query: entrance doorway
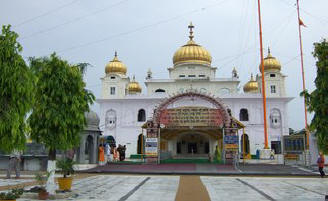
[
  {"x": 192, "y": 148},
  {"x": 191, "y": 144}
]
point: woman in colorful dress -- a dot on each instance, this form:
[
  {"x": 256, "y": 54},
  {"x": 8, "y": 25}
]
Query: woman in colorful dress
[{"x": 101, "y": 155}]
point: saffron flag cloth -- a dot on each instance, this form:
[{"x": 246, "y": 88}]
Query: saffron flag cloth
[{"x": 301, "y": 22}]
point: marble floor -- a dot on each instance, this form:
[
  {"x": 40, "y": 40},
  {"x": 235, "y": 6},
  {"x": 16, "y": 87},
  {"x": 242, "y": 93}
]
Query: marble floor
[{"x": 164, "y": 188}]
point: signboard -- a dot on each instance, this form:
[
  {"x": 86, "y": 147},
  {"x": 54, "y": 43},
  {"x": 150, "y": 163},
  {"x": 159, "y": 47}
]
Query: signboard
[
  {"x": 231, "y": 139},
  {"x": 231, "y": 146},
  {"x": 151, "y": 145},
  {"x": 191, "y": 117}
]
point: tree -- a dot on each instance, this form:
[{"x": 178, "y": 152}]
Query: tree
[
  {"x": 317, "y": 101},
  {"x": 16, "y": 92},
  {"x": 60, "y": 103}
]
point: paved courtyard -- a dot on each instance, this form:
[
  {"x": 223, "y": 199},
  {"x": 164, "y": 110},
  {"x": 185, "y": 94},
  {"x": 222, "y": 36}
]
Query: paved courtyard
[{"x": 165, "y": 188}]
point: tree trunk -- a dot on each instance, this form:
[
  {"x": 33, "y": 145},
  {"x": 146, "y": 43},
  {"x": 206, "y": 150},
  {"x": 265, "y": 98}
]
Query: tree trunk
[
  {"x": 51, "y": 185},
  {"x": 52, "y": 154}
]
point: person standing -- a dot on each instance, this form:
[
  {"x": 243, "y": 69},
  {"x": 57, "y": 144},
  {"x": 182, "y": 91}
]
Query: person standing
[
  {"x": 101, "y": 155},
  {"x": 107, "y": 149},
  {"x": 272, "y": 154},
  {"x": 321, "y": 164},
  {"x": 14, "y": 160}
]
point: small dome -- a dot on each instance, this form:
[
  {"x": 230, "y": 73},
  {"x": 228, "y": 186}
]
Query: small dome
[
  {"x": 270, "y": 63},
  {"x": 251, "y": 86},
  {"x": 134, "y": 87},
  {"x": 92, "y": 120},
  {"x": 192, "y": 52},
  {"x": 116, "y": 66}
]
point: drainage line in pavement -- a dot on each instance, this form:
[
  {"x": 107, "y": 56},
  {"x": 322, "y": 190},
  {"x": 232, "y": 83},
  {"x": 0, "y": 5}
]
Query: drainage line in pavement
[
  {"x": 301, "y": 187},
  {"x": 256, "y": 189},
  {"x": 125, "y": 197}
]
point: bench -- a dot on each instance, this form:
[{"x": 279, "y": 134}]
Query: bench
[{"x": 291, "y": 156}]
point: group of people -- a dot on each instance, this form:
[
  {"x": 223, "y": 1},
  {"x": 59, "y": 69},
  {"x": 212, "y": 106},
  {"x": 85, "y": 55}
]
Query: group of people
[{"x": 108, "y": 154}]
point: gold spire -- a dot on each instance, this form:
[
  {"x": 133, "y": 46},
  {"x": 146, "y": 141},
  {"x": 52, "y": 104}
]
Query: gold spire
[
  {"x": 192, "y": 52},
  {"x": 134, "y": 87},
  {"x": 251, "y": 86},
  {"x": 115, "y": 66},
  {"x": 270, "y": 62}
]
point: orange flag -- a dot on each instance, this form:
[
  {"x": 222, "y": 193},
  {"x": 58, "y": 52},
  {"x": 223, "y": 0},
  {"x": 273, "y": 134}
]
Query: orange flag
[{"x": 301, "y": 22}]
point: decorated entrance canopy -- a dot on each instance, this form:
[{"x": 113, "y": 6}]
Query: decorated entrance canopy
[{"x": 191, "y": 115}]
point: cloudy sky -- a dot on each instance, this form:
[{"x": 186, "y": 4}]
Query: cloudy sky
[{"x": 146, "y": 33}]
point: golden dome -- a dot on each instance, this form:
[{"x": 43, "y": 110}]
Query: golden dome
[
  {"x": 115, "y": 66},
  {"x": 192, "y": 52},
  {"x": 134, "y": 87},
  {"x": 251, "y": 86},
  {"x": 270, "y": 63}
]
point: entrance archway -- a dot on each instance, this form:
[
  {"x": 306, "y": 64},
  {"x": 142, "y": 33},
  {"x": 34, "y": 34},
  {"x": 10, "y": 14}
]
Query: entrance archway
[
  {"x": 224, "y": 118},
  {"x": 89, "y": 147},
  {"x": 191, "y": 125}
]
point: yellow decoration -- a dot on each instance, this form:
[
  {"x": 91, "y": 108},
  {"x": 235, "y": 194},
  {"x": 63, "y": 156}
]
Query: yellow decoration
[
  {"x": 116, "y": 66},
  {"x": 134, "y": 87},
  {"x": 192, "y": 52},
  {"x": 270, "y": 63},
  {"x": 251, "y": 86}
]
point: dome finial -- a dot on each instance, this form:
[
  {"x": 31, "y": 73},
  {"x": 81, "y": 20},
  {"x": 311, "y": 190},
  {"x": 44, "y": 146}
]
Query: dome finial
[
  {"x": 252, "y": 79},
  {"x": 269, "y": 52},
  {"x": 115, "y": 53},
  {"x": 191, "y": 32},
  {"x": 133, "y": 78}
]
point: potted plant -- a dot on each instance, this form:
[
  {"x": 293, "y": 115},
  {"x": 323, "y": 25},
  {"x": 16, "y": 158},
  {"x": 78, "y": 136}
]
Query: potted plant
[
  {"x": 42, "y": 179},
  {"x": 11, "y": 195},
  {"x": 66, "y": 168}
]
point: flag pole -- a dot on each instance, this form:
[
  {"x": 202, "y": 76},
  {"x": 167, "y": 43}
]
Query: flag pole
[
  {"x": 263, "y": 81},
  {"x": 300, "y": 23}
]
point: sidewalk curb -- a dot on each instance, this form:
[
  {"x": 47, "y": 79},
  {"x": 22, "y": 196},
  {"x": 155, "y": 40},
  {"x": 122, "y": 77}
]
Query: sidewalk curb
[{"x": 200, "y": 173}]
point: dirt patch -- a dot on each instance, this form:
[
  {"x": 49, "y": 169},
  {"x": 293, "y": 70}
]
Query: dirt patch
[{"x": 191, "y": 188}]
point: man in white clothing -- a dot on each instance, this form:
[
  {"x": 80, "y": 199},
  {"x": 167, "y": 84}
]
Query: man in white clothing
[{"x": 14, "y": 160}]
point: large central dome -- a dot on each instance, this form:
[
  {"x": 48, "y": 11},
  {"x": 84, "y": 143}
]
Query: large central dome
[{"x": 192, "y": 52}]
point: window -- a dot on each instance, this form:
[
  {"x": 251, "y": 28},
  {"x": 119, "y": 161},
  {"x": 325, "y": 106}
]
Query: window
[
  {"x": 112, "y": 77},
  {"x": 201, "y": 75},
  {"x": 182, "y": 76},
  {"x": 141, "y": 115},
  {"x": 273, "y": 89},
  {"x": 159, "y": 90},
  {"x": 112, "y": 90},
  {"x": 243, "y": 115},
  {"x": 272, "y": 75},
  {"x": 191, "y": 75},
  {"x": 110, "y": 119},
  {"x": 275, "y": 118}
]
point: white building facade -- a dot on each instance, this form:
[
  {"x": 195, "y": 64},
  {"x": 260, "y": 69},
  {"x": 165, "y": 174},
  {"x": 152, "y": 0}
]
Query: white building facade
[{"x": 125, "y": 109}]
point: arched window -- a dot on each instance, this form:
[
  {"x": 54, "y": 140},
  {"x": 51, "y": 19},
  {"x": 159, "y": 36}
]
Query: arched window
[
  {"x": 275, "y": 118},
  {"x": 110, "y": 119},
  {"x": 159, "y": 90},
  {"x": 243, "y": 115},
  {"x": 141, "y": 115}
]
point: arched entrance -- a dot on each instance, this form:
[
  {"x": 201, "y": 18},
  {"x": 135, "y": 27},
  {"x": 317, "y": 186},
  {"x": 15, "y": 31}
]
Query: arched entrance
[
  {"x": 244, "y": 144},
  {"x": 190, "y": 124},
  {"x": 89, "y": 147}
]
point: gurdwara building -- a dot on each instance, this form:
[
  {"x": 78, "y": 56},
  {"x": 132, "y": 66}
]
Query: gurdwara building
[{"x": 184, "y": 105}]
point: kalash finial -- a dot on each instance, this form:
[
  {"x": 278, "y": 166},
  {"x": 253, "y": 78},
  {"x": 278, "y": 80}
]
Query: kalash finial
[
  {"x": 191, "y": 32},
  {"x": 269, "y": 52},
  {"x": 115, "y": 53}
]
